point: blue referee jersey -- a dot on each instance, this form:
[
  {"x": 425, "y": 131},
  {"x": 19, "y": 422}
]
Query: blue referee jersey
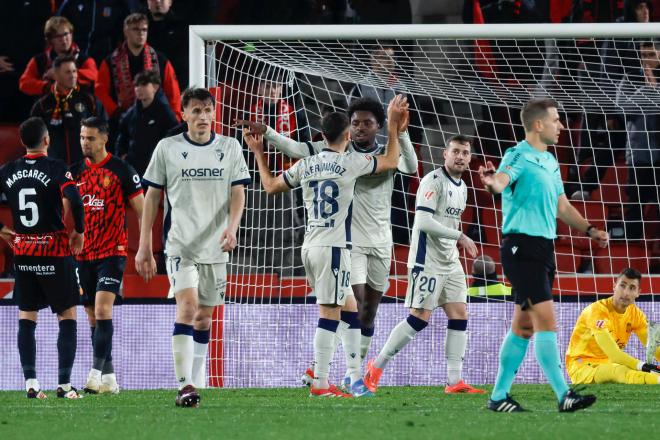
[{"x": 529, "y": 202}]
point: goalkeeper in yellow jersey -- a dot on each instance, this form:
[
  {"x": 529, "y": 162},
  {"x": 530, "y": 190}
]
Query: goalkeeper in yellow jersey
[{"x": 595, "y": 353}]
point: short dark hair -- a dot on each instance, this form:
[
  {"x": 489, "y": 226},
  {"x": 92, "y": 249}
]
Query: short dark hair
[
  {"x": 198, "y": 93},
  {"x": 535, "y": 109},
  {"x": 95, "y": 122},
  {"x": 630, "y": 273},
  {"x": 334, "y": 125},
  {"x": 147, "y": 77},
  {"x": 32, "y": 131},
  {"x": 135, "y": 17},
  {"x": 461, "y": 139},
  {"x": 366, "y": 104},
  {"x": 63, "y": 59}
]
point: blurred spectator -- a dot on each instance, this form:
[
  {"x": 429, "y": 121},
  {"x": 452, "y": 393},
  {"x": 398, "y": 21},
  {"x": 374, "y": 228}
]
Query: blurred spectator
[
  {"x": 168, "y": 31},
  {"x": 145, "y": 123},
  {"x": 97, "y": 24},
  {"x": 597, "y": 11},
  {"x": 275, "y": 11},
  {"x": 620, "y": 55},
  {"x": 39, "y": 77},
  {"x": 19, "y": 20},
  {"x": 115, "y": 86},
  {"x": 485, "y": 281},
  {"x": 381, "y": 83},
  {"x": 643, "y": 130},
  {"x": 63, "y": 109}
]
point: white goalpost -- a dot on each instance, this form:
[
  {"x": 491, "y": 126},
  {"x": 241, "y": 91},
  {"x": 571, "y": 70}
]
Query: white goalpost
[{"x": 468, "y": 79}]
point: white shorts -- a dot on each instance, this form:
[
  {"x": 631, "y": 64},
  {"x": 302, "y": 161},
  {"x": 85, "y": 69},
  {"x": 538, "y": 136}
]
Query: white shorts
[
  {"x": 371, "y": 265},
  {"x": 328, "y": 271},
  {"x": 210, "y": 280},
  {"x": 429, "y": 291}
]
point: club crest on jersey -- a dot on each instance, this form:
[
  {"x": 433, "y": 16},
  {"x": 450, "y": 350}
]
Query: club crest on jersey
[
  {"x": 600, "y": 323},
  {"x": 106, "y": 181},
  {"x": 219, "y": 155},
  {"x": 428, "y": 195},
  {"x": 80, "y": 107}
]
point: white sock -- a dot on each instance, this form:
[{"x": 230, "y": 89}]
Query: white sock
[
  {"x": 109, "y": 379},
  {"x": 351, "y": 342},
  {"x": 34, "y": 384},
  {"x": 365, "y": 343},
  {"x": 182, "y": 350},
  {"x": 199, "y": 364},
  {"x": 455, "y": 343},
  {"x": 95, "y": 373},
  {"x": 399, "y": 338},
  {"x": 65, "y": 386},
  {"x": 324, "y": 346},
  {"x": 339, "y": 334}
]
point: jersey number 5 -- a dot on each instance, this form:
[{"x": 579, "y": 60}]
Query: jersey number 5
[
  {"x": 323, "y": 200},
  {"x": 28, "y": 207}
]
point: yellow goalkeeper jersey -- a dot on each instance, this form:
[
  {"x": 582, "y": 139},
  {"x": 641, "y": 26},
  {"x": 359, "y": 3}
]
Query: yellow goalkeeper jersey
[{"x": 602, "y": 317}]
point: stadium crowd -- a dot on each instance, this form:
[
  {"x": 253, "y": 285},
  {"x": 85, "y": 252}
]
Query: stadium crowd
[{"x": 126, "y": 61}]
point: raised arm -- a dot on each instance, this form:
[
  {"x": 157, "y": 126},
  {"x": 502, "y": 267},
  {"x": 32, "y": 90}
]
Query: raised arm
[
  {"x": 493, "y": 181},
  {"x": 288, "y": 146},
  {"x": 408, "y": 160},
  {"x": 397, "y": 115},
  {"x": 271, "y": 184}
]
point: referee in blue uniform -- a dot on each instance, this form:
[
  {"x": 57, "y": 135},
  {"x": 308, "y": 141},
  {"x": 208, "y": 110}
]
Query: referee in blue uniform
[{"x": 532, "y": 198}]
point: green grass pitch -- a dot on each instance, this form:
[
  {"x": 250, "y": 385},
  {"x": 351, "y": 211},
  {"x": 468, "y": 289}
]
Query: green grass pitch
[{"x": 622, "y": 411}]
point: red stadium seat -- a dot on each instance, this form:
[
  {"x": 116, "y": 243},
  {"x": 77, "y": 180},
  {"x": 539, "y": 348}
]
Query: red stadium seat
[
  {"x": 399, "y": 260},
  {"x": 617, "y": 256},
  {"x": 11, "y": 143},
  {"x": 568, "y": 258},
  {"x": 612, "y": 188}
]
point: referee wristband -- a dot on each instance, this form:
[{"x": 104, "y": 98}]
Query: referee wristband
[{"x": 588, "y": 231}]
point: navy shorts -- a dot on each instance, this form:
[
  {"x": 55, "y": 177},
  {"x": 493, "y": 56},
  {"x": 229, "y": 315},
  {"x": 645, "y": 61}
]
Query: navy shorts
[
  {"x": 529, "y": 264},
  {"x": 46, "y": 281},
  {"x": 104, "y": 275}
]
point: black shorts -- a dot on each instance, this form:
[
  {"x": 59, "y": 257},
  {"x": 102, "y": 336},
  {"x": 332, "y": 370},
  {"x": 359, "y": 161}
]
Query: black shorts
[
  {"x": 529, "y": 264},
  {"x": 46, "y": 281},
  {"x": 101, "y": 275}
]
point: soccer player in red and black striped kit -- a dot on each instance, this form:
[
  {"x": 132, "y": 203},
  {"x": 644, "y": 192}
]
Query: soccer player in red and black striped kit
[
  {"x": 107, "y": 185},
  {"x": 37, "y": 187}
]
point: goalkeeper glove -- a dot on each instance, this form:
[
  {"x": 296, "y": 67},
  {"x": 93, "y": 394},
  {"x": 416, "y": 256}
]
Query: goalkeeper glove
[{"x": 650, "y": 368}]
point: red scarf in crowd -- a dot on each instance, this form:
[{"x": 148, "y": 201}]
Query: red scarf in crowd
[
  {"x": 61, "y": 104},
  {"x": 285, "y": 124},
  {"x": 121, "y": 72}
]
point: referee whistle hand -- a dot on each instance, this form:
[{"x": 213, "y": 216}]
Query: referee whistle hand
[
  {"x": 76, "y": 242},
  {"x": 600, "y": 237},
  {"x": 486, "y": 175}
]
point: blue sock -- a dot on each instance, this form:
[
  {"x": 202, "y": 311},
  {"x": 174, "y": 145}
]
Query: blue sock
[
  {"x": 547, "y": 355},
  {"x": 512, "y": 353}
]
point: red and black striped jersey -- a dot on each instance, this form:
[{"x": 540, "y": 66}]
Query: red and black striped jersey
[
  {"x": 33, "y": 185},
  {"x": 106, "y": 188}
]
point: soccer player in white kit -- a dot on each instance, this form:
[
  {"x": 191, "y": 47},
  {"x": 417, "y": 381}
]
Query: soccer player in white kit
[
  {"x": 328, "y": 182},
  {"x": 435, "y": 275},
  {"x": 203, "y": 175},
  {"x": 372, "y": 205}
]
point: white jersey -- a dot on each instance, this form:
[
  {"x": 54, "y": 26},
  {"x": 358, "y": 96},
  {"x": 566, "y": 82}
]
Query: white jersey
[
  {"x": 328, "y": 182},
  {"x": 445, "y": 198},
  {"x": 197, "y": 179},
  {"x": 372, "y": 204}
]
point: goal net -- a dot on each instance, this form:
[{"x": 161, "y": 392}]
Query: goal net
[{"x": 463, "y": 79}]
